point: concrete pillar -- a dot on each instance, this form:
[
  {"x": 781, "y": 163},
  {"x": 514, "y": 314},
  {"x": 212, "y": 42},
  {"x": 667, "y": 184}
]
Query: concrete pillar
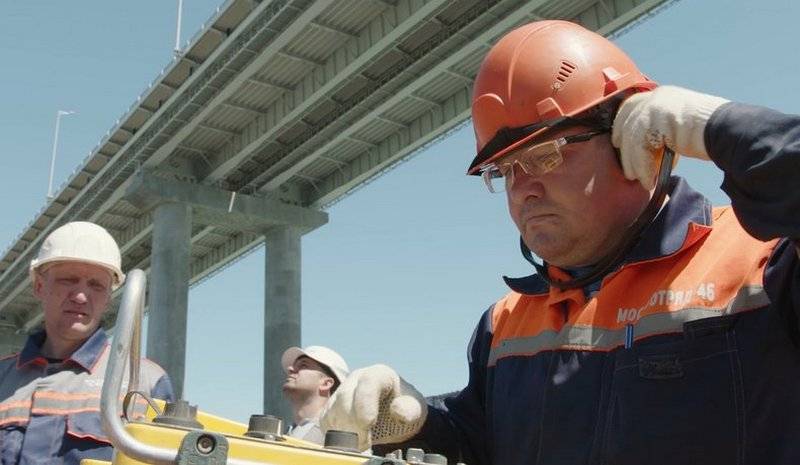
[
  {"x": 169, "y": 289},
  {"x": 281, "y": 312}
]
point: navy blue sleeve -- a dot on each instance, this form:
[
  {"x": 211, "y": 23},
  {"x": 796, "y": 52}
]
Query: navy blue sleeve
[
  {"x": 163, "y": 389},
  {"x": 782, "y": 283},
  {"x": 456, "y": 425},
  {"x": 758, "y": 150}
]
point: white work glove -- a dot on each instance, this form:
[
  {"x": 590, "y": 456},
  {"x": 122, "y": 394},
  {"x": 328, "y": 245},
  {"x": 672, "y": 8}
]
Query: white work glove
[
  {"x": 667, "y": 116},
  {"x": 378, "y": 405}
]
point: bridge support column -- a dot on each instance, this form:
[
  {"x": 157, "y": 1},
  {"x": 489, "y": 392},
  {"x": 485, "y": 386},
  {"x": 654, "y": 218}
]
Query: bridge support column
[
  {"x": 169, "y": 289},
  {"x": 281, "y": 312},
  {"x": 177, "y": 204}
]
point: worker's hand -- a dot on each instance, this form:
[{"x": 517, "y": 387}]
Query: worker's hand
[
  {"x": 668, "y": 116},
  {"x": 378, "y": 405}
]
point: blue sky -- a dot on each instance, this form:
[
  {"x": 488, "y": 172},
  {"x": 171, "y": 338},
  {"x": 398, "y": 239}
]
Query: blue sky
[{"x": 407, "y": 264}]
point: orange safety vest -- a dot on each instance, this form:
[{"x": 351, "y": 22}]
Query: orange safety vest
[{"x": 641, "y": 299}]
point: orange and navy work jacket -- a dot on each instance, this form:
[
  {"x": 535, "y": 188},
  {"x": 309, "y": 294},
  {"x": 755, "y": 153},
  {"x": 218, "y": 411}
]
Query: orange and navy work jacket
[
  {"x": 50, "y": 411},
  {"x": 686, "y": 354}
]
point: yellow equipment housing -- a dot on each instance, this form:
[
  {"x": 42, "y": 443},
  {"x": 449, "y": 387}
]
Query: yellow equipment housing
[{"x": 286, "y": 450}]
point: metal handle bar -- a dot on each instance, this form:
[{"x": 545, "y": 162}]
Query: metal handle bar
[
  {"x": 128, "y": 317},
  {"x": 127, "y": 344}
]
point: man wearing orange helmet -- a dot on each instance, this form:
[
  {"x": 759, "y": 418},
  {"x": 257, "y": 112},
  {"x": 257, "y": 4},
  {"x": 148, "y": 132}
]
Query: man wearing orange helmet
[{"x": 657, "y": 329}]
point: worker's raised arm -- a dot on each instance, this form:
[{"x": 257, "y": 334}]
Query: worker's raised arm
[{"x": 758, "y": 150}]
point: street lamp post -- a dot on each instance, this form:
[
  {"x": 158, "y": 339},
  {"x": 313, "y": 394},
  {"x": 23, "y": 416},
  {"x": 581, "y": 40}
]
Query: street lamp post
[
  {"x": 177, "y": 50},
  {"x": 59, "y": 114}
]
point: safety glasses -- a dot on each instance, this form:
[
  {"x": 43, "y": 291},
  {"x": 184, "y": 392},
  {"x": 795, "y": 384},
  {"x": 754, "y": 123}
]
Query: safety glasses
[{"x": 534, "y": 160}]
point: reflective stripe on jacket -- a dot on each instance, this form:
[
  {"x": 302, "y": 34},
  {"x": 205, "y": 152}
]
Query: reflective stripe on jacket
[
  {"x": 49, "y": 412},
  {"x": 689, "y": 353}
]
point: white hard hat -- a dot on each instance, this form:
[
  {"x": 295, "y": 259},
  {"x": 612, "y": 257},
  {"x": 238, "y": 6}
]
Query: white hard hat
[
  {"x": 84, "y": 242},
  {"x": 320, "y": 354}
]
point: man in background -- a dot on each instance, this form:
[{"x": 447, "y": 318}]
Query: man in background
[{"x": 312, "y": 376}]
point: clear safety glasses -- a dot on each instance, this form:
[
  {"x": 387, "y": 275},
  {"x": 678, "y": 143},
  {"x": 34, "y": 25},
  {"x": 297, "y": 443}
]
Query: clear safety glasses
[{"x": 534, "y": 160}]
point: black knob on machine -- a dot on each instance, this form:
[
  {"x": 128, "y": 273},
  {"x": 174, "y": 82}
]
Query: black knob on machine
[
  {"x": 346, "y": 441},
  {"x": 179, "y": 413},
  {"x": 264, "y": 427}
]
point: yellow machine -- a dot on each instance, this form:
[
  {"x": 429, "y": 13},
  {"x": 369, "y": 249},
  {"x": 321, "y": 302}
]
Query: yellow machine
[{"x": 175, "y": 433}]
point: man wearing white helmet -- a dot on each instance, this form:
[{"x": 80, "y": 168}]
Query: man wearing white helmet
[
  {"x": 312, "y": 376},
  {"x": 50, "y": 391}
]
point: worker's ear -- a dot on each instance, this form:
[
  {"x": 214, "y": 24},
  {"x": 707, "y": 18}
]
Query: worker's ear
[
  {"x": 38, "y": 284},
  {"x": 326, "y": 384}
]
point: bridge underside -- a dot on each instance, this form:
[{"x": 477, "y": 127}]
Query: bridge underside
[
  {"x": 291, "y": 103},
  {"x": 300, "y": 101}
]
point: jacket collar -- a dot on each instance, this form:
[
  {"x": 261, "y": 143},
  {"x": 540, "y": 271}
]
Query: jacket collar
[
  {"x": 86, "y": 356},
  {"x": 665, "y": 236}
]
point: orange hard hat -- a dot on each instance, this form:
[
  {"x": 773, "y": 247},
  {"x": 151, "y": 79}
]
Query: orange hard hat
[{"x": 540, "y": 75}]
